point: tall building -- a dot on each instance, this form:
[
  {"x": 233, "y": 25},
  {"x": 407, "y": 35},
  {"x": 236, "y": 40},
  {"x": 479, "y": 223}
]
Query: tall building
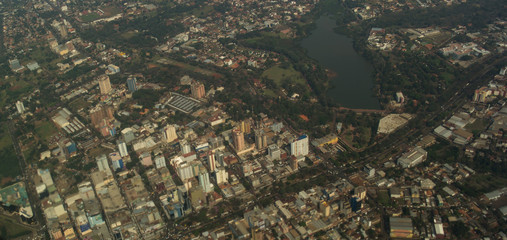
[
  {"x": 20, "y": 107},
  {"x": 211, "y": 161},
  {"x": 198, "y": 90},
  {"x": 274, "y": 152},
  {"x": 104, "y": 84},
  {"x": 222, "y": 175},
  {"x": 245, "y": 126},
  {"x": 294, "y": 163},
  {"x": 299, "y": 147},
  {"x": 132, "y": 84},
  {"x": 128, "y": 135},
  {"x": 185, "y": 147},
  {"x": 122, "y": 146},
  {"x": 239, "y": 140},
  {"x": 170, "y": 133},
  {"x": 219, "y": 157},
  {"x": 100, "y": 113},
  {"x": 204, "y": 180},
  {"x": 261, "y": 140}
]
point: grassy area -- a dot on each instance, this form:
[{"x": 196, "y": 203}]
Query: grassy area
[
  {"x": 482, "y": 183},
  {"x": 280, "y": 74},
  {"x": 477, "y": 126},
  {"x": 270, "y": 93},
  {"x": 383, "y": 197},
  {"x": 9, "y": 166},
  {"x": 129, "y": 34},
  {"x": 447, "y": 77},
  {"x": 45, "y": 130},
  {"x": 202, "y": 11},
  {"x": 98, "y": 151},
  {"x": 90, "y": 17},
  {"x": 78, "y": 103},
  {"x": 10, "y": 229}
]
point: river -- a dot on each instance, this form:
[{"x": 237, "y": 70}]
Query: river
[{"x": 352, "y": 79}]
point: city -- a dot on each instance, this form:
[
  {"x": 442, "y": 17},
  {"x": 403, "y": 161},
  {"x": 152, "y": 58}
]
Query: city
[{"x": 216, "y": 120}]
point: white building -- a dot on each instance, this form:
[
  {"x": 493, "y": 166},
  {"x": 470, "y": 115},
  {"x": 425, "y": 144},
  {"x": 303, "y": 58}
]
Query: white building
[
  {"x": 170, "y": 133},
  {"x": 122, "y": 146},
  {"x": 20, "y": 107},
  {"x": 222, "y": 175},
  {"x": 185, "y": 147},
  {"x": 160, "y": 162},
  {"x": 103, "y": 165},
  {"x": 299, "y": 147},
  {"x": 412, "y": 158},
  {"x": 204, "y": 180}
]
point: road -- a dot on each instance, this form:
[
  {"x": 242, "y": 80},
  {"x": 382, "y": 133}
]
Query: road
[
  {"x": 454, "y": 103},
  {"x": 27, "y": 171}
]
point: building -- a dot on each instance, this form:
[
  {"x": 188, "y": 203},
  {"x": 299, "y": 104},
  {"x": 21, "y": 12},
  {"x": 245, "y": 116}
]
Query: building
[
  {"x": 238, "y": 139},
  {"x": 245, "y": 126},
  {"x": 399, "y": 97},
  {"x": 112, "y": 69},
  {"x": 198, "y": 90},
  {"x": 211, "y": 162},
  {"x": 412, "y": 158},
  {"x": 294, "y": 163},
  {"x": 261, "y": 140},
  {"x": 160, "y": 162},
  {"x": 222, "y": 175},
  {"x": 122, "y": 146},
  {"x": 299, "y": 147},
  {"x": 132, "y": 84},
  {"x": 204, "y": 180},
  {"x": 274, "y": 152},
  {"x": 20, "y": 107},
  {"x": 128, "y": 135},
  {"x": 101, "y": 113},
  {"x": 104, "y": 84},
  {"x": 400, "y": 227},
  {"x": 170, "y": 133},
  {"x": 102, "y": 164},
  {"x": 185, "y": 147}
]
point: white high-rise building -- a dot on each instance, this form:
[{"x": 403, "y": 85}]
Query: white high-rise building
[
  {"x": 211, "y": 162},
  {"x": 204, "y": 180},
  {"x": 185, "y": 171},
  {"x": 20, "y": 107},
  {"x": 299, "y": 147},
  {"x": 122, "y": 146},
  {"x": 222, "y": 175},
  {"x": 170, "y": 133}
]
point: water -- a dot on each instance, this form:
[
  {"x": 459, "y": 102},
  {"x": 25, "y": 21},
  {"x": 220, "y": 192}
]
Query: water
[{"x": 352, "y": 80}]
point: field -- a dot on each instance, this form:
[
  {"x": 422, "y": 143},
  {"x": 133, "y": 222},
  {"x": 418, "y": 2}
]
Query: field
[
  {"x": 78, "y": 103},
  {"x": 11, "y": 94},
  {"x": 129, "y": 34},
  {"x": 9, "y": 166},
  {"x": 478, "y": 126},
  {"x": 10, "y": 229},
  {"x": 280, "y": 74},
  {"x": 90, "y": 17},
  {"x": 203, "y": 11},
  {"x": 482, "y": 183},
  {"x": 185, "y": 66},
  {"x": 45, "y": 130}
]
